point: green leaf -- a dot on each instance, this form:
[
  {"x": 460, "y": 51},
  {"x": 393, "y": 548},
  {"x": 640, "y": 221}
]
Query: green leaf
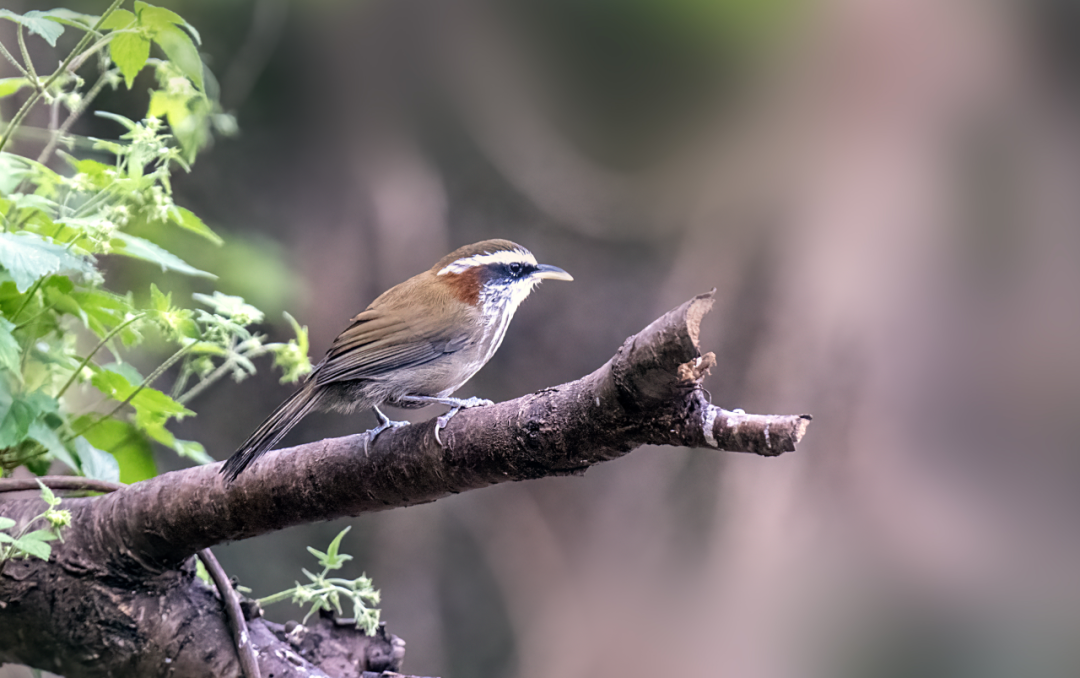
[
  {"x": 71, "y": 18},
  {"x": 6, "y": 523},
  {"x": 9, "y": 347},
  {"x": 36, "y": 22},
  {"x": 13, "y": 169},
  {"x": 331, "y": 560},
  {"x": 33, "y": 547},
  {"x": 29, "y": 257},
  {"x": 157, "y": 17},
  {"x": 192, "y": 450},
  {"x": 50, "y": 439},
  {"x": 153, "y": 409},
  {"x": 181, "y": 51},
  {"x": 128, "y": 446},
  {"x": 132, "y": 246},
  {"x": 186, "y": 219},
  {"x": 130, "y": 52},
  {"x": 9, "y": 86},
  {"x": 95, "y": 463},
  {"x": 22, "y": 410},
  {"x": 39, "y": 535},
  {"x": 47, "y": 495},
  {"x": 121, "y": 18},
  {"x": 16, "y": 422}
]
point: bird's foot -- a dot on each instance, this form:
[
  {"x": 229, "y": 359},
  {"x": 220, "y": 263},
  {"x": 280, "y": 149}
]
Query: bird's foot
[
  {"x": 442, "y": 421},
  {"x": 456, "y": 405},
  {"x": 385, "y": 422}
]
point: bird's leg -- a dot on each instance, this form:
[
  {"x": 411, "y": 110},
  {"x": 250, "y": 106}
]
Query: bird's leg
[
  {"x": 385, "y": 422},
  {"x": 456, "y": 405}
]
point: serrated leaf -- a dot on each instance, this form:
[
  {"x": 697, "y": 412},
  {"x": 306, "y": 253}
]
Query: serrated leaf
[
  {"x": 186, "y": 219},
  {"x": 6, "y": 523},
  {"x": 121, "y": 18},
  {"x": 9, "y": 347},
  {"x": 36, "y": 22},
  {"x": 96, "y": 463},
  {"x": 130, "y": 52},
  {"x": 29, "y": 257},
  {"x": 9, "y": 86},
  {"x": 33, "y": 547},
  {"x": 132, "y": 246},
  {"x": 181, "y": 51}
]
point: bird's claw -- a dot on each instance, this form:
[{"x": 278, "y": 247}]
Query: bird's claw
[
  {"x": 442, "y": 421},
  {"x": 385, "y": 422}
]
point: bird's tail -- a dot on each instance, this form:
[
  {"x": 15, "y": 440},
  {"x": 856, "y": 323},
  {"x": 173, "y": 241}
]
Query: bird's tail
[{"x": 280, "y": 421}]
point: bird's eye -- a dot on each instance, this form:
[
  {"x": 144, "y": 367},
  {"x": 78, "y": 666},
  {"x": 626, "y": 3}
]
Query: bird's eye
[{"x": 515, "y": 269}]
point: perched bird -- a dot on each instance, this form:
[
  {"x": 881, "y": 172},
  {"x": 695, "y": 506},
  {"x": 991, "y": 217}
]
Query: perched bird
[{"x": 414, "y": 345}]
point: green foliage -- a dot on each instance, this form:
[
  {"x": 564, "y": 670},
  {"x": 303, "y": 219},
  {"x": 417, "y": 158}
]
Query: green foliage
[
  {"x": 325, "y": 593},
  {"x": 26, "y": 543},
  {"x": 68, "y": 389}
]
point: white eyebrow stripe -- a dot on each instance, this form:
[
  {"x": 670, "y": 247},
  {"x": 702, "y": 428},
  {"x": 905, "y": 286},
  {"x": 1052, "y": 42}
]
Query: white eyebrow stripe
[{"x": 500, "y": 257}]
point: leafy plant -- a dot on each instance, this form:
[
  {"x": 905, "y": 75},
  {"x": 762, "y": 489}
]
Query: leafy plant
[
  {"x": 64, "y": 336},
  {"x": 325, "y": 593},
  {"x": 26, "y": 543}
]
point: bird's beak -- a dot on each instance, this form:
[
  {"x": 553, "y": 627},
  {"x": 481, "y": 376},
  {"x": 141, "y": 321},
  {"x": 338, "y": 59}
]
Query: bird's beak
[{"x": 546, "y": 272}]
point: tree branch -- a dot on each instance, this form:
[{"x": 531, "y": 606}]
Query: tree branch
[{"x": 142, "y": 537}]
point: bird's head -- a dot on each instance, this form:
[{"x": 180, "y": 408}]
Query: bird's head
[{"x": 495, "y": 275}]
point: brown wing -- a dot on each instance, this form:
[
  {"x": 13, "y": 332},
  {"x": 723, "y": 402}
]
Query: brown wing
[{"x": 377, "y": 342}]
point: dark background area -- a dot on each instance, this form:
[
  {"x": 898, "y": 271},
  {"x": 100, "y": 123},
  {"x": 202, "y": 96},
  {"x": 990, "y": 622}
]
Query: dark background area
[{"x": 884, "y": 194}]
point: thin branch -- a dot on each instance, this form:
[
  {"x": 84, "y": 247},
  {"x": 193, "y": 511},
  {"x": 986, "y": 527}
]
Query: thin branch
[
  {"x": 26, "y": 58},
  {"x": 90, "y": 356},
  {"x": 73, "y": 116},
  {"x": 33, "y": 99}
]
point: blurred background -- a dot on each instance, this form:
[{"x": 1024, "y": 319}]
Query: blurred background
[{"x": 883, "y": 192}]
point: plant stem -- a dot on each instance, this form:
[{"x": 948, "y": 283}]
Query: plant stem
[
  {"x": 33, "y": 99},
  {"x": 26, "y": 58},
  {"x": 14, "y": 62},
  {"x": 29, "y": 295},
  {"x": 86, "y": 361},
  {"x": 169, "y": 362},
  {"x": 73, "y": 116}
]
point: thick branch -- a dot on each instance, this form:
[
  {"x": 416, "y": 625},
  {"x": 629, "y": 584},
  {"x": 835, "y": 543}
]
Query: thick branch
[
  {"x": 648, "y": 393},
  {"x": 132, "y": 548}
]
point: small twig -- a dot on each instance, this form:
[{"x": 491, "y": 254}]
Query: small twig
[
  {"x": 21, "y": 114},
  {"x": 86, "y": 361},
  {"x": 229, "y": 598},
  {"x": 73, "y": 116},
  {"x": 169, "y": 362},
  {"x": 14, "y": 61},
  {"x": 26, "y": 58},
  {"x": 246, "y": 652}
]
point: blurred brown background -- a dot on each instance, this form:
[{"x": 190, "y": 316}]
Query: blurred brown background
[{"x": 883, "y": 192}]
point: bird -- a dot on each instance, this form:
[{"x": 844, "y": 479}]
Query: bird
[{"x": 416, "y": 344}]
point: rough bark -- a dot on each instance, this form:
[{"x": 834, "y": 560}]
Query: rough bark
[{"x": 119, "y": 597}]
